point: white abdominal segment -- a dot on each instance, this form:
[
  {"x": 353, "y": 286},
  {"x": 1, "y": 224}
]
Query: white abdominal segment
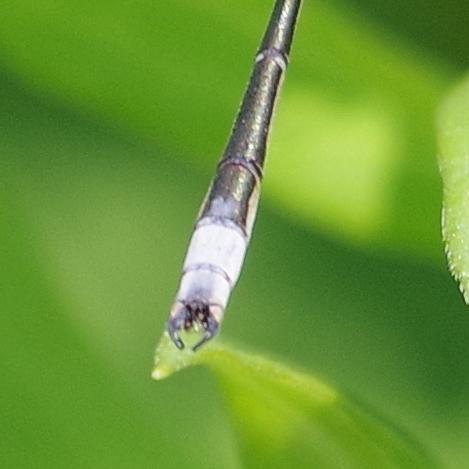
[
  {"x": 213, "y": 264},
  {"x": 212, "y": 267}
]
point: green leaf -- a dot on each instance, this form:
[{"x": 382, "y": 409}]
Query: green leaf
[
  {"x": 454, "y": 166},
  {"x": 286, "y": 418},
  {"x": 93, "y": 236}
]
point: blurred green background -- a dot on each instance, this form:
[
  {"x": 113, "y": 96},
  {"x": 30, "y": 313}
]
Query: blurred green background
[{"x": 112, "y": 117}]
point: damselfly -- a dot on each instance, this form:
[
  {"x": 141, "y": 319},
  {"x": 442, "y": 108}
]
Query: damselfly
[{"x": 224, "y": 226}]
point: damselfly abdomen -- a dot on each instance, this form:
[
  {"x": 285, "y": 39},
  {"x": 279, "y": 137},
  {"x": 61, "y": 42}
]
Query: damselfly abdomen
[{"x": 224, "y": 226}]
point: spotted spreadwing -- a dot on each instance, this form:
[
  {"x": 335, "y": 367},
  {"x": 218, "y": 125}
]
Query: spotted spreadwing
[{"x": 224, "y": 226}]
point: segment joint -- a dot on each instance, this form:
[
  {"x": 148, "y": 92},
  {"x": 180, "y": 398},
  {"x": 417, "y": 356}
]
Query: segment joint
[
  {"x": 279, "y": 57},
  {"x": 247, "y": 163}
]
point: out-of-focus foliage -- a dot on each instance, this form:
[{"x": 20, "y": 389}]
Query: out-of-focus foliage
[
  {"x": 359, "y": 105},
  {"x": 112, "y": 117}
]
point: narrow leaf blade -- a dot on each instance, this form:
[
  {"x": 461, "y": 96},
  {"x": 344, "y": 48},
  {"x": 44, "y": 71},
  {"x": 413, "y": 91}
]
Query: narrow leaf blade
[{"x": 286, "y": 418}]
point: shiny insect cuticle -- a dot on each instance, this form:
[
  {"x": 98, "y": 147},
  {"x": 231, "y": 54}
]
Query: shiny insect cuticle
[{"x": 223, "y": 230}]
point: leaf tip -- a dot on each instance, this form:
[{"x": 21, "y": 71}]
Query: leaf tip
[
  {"x": 169, "y": 359},
  {"x": 160, "y": 372}
]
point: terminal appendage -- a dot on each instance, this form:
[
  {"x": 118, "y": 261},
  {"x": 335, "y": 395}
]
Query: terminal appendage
[{"x": 195, "y": 315}]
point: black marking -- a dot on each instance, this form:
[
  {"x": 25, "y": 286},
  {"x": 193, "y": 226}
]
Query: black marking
[
  {"x": 247, "y": 163},
  {"x": 193, "y": 312},
  {"x": 233, "y": 194},
  {"x": 210, "y": 267}
]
